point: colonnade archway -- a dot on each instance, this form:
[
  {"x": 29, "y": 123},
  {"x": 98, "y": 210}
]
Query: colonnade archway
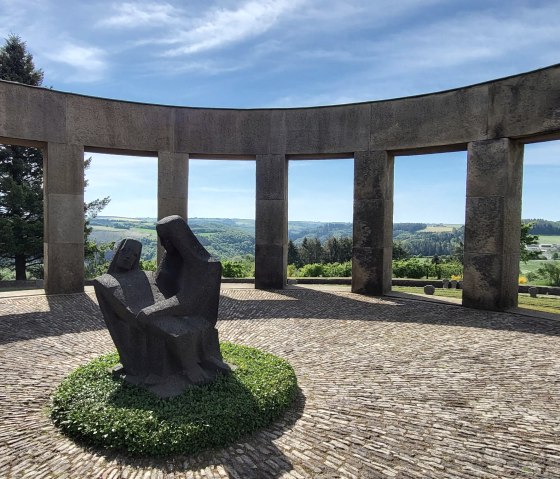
[{"x": 491, "y": 121}]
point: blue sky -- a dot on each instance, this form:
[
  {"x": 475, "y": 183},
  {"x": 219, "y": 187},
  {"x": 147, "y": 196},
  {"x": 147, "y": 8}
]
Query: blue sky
[{"x": 284, "y": 53}]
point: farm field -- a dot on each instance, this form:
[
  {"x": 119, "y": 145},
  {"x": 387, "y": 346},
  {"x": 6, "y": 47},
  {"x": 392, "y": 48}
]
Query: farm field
[
  {"x": 551, "y": 239},
  {"x": 448, "y": 228}
]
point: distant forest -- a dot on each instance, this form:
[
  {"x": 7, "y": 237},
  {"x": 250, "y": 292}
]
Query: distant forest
[
  {"x": 544, "y": 227},
  {"x": 228, "y": 238}
]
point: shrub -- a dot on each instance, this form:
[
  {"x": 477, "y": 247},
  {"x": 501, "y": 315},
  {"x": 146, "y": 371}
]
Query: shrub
[
  {"x": 410, "y": 268},
  {"x": 551, "y": 273},
  {"x": 314, "y": 270},
  {"x": 92, "y": 406},
  {"x": 531, "y": 276},
  {"x": 233, "y": 269},
  {"x": 452, "y": 268},
  {"x": 292, "y": 271},
  {"x": 338, "y": 270}
]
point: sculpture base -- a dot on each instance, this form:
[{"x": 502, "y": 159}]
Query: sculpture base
[{"x": 173, "y": 385}]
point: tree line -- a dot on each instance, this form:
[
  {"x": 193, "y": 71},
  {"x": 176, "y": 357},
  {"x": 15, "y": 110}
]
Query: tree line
[
  {"x": 311, "y": 250},
  {"x": 544, "y": 227}
]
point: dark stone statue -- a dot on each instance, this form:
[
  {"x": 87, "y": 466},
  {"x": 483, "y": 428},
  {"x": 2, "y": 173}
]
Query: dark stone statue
[{"x": 163, "y": 324}]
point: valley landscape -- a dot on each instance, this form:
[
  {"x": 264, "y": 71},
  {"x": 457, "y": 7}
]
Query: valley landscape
[{"x": 234, "y": 239}]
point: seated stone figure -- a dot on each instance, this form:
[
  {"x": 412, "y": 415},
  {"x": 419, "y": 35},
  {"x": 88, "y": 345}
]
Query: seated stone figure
[{"x": 163, "y": 325}]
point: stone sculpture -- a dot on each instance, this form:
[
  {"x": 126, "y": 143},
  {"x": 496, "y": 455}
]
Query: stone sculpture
[{"x": 163, "y": 324}]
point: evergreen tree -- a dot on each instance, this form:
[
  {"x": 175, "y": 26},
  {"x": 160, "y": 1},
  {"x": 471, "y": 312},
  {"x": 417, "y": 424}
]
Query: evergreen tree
[
  {"x": 399, "y": 251},
  {"x": 331, "y": 250},
  {"x": 311, "y": 251},
  {"x": 345, "y": 249},
  {"x": 293, "y": 254},
  {"x": 21, "y": 175},
  {"x": 527, "y": 239}
]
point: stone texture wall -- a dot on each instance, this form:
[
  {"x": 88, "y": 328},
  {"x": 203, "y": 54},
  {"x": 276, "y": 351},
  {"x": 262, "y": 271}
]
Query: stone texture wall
[{"x": 492, "y": 120}]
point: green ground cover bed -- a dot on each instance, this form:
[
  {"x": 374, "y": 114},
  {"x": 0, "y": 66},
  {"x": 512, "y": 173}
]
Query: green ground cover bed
[
  {"x": 546, "y": 303},
  {"x": 90, "y": 405}
]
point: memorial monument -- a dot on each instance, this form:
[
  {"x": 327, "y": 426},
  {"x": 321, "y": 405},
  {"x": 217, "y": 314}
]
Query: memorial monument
[{"x": 163, "y": 324}]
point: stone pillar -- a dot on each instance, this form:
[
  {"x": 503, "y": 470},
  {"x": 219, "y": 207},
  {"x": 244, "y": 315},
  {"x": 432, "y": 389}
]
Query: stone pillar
[
  {"x": 373, "y": 222},
  {"x": 492, "y": 224},
  {"x": 173, "y": 180},
  {"x": 64, "y": 218},
  {"x": 271, "y": 224}
]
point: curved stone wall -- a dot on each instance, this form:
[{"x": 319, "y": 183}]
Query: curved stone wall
[{"x": 490, "y": 120}]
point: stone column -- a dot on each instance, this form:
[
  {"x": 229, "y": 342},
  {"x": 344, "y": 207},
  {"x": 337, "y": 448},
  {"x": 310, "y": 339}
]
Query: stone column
[
  {"x": 373, "y": 222},
  {"x": 64, "y": 218},
  {"x": 492, "y": 224},
  {"x": 271, "y": 224},
  {"x": 173, "y": 180}
]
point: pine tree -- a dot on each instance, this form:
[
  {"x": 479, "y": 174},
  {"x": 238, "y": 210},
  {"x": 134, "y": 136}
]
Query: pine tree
[
  {"x": 21, "y": 175},
  {"x": 293, "y": 254}
]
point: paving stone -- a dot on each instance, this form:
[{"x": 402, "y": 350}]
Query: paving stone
[{"x": 390, "y": 388}]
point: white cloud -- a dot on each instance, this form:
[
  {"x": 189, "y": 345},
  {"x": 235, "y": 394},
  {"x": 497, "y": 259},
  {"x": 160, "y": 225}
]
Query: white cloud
[
  {"x": 82, "y": 58},
  {"x": 445, "y": 52},
  {"x": 88, "y": 63},
  {"x": 222, "y": 27},
  {"x": 467, "y": 38},
  {"x": 134, "y": 15}
]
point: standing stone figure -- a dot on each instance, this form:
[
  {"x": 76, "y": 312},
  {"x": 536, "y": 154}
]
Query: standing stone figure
[{"x": 163, "y": 325}]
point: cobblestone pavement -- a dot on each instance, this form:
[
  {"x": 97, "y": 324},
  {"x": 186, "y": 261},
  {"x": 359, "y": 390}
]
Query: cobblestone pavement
[{"x": 390, "y": 388}]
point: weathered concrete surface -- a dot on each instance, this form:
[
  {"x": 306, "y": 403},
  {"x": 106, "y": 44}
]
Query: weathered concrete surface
[
  {"x": 524, "y": 106},
  {"x": 225, "y": 132},
  {"x": 390, "y": 388},
  {"x": 428, "y": 121},
  {"x": 334, "y": 129},
  {"x": 32, "y": 113},
  {"x": 173, "y": 180},
  {"x": 64, "y": 218},
  {"x": 373, "y": 222},
  {"x": 271, "y": 222},
  {"x": 117, "y": 125},
  {"x": 492, "y": 224},
  {"x": 173, "y": 185}
]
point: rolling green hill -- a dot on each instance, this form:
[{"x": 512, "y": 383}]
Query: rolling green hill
[{"x": 227, "y": 238}]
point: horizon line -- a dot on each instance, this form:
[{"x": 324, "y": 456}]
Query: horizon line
[{"x": 253, "y": 219}]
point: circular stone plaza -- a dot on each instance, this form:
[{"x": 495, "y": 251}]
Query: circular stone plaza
[{"x": 391, "y": 385}]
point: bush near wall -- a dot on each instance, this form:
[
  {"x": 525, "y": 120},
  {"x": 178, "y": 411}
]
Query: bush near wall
[
  {"x": 321, "y": 270},
  {"x": 411, "y": 268}
]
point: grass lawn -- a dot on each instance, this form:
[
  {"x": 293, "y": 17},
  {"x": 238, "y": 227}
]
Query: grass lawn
[{"x": 549, "y": 304}]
